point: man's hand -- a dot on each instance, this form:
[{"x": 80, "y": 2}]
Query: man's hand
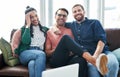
[{"x": 56, "y": 30}]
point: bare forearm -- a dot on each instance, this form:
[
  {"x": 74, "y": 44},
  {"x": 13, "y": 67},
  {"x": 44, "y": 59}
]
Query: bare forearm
[{"x": 99, "y": 49}]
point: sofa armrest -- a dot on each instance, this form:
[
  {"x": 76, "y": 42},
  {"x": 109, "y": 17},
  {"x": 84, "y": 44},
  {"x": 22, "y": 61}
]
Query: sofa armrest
[{"x": 1, "y": 61}]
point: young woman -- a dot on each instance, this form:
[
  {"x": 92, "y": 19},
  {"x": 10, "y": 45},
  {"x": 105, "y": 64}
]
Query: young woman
[{"x": 28, "y": 43}]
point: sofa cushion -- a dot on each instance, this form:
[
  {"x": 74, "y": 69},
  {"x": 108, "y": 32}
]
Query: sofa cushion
[
  {"x": 7, "y": 53},
  {"x": 116, "y": 52}
]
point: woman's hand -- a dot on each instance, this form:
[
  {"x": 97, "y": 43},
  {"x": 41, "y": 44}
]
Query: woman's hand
[{"x": 27, "y": 18}]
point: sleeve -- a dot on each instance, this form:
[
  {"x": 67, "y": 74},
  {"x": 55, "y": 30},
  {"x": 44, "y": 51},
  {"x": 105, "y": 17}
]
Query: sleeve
[
  {"x": 99, "y": 32},
  {"x": 26, "y": 37},
  {"x": 48, "y": 45},
  {"x": 16, "y": 40}
]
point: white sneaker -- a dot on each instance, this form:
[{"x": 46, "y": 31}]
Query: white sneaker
[{"x": 101, "y": 64}]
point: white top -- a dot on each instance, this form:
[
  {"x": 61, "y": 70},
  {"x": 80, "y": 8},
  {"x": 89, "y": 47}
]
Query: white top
[{"x": 38, "y": 38}]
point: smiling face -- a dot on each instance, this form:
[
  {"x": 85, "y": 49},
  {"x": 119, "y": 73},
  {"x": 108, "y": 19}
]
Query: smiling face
[
  {"x": 78, "y": 13},
  {"x": 34, "y": 18},
  {"x": 61, "y": 17}
]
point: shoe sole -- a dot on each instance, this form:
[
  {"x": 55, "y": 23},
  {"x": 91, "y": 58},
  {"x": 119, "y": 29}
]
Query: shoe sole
[{"x": 103, "y": 64}]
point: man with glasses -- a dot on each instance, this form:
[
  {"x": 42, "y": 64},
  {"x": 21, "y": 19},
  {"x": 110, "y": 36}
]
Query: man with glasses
[
  {"x": 57, "y": 47},
  {"x": 61, "y": 48}
]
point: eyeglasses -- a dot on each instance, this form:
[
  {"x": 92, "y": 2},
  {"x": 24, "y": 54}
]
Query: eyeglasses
[{"x": 62, "y": 15}]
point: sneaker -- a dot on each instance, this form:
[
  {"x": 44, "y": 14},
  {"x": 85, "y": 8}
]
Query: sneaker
[{"x": 101, "y": 64}]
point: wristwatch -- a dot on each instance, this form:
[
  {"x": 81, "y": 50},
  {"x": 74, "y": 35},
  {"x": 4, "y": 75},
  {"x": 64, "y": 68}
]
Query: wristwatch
[{"x": 27, "y": 27}]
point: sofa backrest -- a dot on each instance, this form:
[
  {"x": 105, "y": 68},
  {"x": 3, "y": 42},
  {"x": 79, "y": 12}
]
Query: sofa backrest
[
  {"x": 113, "y": 38},
  {"x": 12, "y": 32}
]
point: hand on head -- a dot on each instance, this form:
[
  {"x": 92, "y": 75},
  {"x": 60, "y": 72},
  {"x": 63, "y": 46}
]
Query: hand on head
[{"x": 27, "y": 18}]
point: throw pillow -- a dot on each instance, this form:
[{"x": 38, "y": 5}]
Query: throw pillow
[
  {"x": 7, "y": 53},
  {"x": 116, "y": 52}
]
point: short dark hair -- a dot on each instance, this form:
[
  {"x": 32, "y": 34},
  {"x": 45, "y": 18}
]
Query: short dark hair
[
  {"x": 28, "y": 9},
  {"x": 78, "y": 5},
  {"x": 63, "y": 9}
]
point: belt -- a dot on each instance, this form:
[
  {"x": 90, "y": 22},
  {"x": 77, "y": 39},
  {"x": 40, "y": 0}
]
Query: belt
[{"x": 35, "y": 47}]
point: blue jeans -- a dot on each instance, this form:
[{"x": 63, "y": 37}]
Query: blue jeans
[
  {"x": 113, "y": 67},
  {"x": 35, "y": 60}
]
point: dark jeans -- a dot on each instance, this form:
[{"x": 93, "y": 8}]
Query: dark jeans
[{"x": 61, "y": 55}]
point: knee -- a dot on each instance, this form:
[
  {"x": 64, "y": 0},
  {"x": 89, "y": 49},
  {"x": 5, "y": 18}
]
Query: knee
[
  {"x": 113, "y": 64},
  {"x": 66, "y": 36},
  {"x": 112, "y": 61},
  {"x": 42, "y": 56},
  {"x": 31, "y": 63}
]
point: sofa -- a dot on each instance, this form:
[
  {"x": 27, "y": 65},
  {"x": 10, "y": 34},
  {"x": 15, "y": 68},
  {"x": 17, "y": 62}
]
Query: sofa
[{"x": 113, "y": 35}]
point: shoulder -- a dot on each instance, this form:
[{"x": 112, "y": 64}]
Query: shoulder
[
  {"x": 53, "y": 29},
  {"x": 68, "y": 24},
  {"x": 95, "y": 22},
  {"x": 44, "y": 28},
  {"x": 18, "y": 32},
  {"x": 92, "y": 21},
  {"x": 16, "y": 35}
]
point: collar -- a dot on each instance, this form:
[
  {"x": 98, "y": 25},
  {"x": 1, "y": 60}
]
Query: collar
[{"x": 84, "y": 20}]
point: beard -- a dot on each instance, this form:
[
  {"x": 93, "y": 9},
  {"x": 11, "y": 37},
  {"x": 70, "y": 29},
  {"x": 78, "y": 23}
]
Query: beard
[{"x": 79, "y": 18}]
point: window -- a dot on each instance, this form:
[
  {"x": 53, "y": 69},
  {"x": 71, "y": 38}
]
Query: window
[
  {"x": 12, "y": 14},
  {"x": 53, "y": 5},
  {"x": 112, "y": 14},
  {"x": 107, "y": 11},
  {"x": 93, "y": 9}
]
